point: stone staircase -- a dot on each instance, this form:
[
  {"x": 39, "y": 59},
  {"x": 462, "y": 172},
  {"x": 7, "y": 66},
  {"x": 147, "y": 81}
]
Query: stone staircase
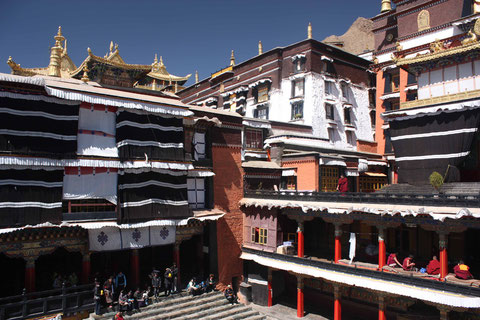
[{"x": 182, "y": 306}]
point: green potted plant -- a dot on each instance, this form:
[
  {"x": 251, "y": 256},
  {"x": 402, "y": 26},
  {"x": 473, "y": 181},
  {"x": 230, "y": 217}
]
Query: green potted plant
[{"x": 436, "y": 180}]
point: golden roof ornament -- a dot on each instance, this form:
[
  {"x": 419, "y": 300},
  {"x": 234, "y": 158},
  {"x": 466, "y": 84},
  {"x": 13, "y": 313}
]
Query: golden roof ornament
[
  {"x": 476, "y": 6},
  {"x": 111, "y": 47},
  {"x": 260, "y": 47},
  {"x": 436, "y": 46},
  {"x": 398, "y": 46},
  {"x": 65, "y": 47},
  {"x": 232, "y": 59},
  {"x": 196, "y": 76},
  {"x": 471, "y": 38},
  {"x": 85, "y": 74},
  {"x": 55, "y": 55},
  {"x": 386, "y": 6},
  {"x": 476, "y": 27},
  {"x": 375, "y": 60},
  {"x": 161, "y": 62},
  {"x": 309, "y": 31}
]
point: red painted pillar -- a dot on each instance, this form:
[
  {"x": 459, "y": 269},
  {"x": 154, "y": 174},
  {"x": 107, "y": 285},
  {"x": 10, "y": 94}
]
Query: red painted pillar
[
  {"x": 300, "y": 239},
  {"x": 381, "y": 248},
  {"x": 86, "y": 267},
  {"x": 135, "y": 266},
  {"x": 338, "y": 243},
  {"x": 443, "y": 242},
  {"x": 176, "y": 259},
  {"x": 270, "y": 292},
  {"x": 30, "y": 274},
  {"x": 300, "y": 305},
  {"x": 381, "y": 308},
  {"x": 337, "y": 304}
]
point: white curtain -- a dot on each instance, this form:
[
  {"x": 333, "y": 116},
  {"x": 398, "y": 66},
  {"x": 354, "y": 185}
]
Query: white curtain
[
  {"x": 96, "y": 145},
  {"x": 199, "y": 145},
  {"x": 90, "y": 186},
  {"x": 97, "y": 120}
]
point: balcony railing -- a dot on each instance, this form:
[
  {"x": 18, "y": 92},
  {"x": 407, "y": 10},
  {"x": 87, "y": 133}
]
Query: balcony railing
[
  {"x": 433, "y": 200},
  {"x": 386, "y": 276},
  {"x": 68, "y": 300}
]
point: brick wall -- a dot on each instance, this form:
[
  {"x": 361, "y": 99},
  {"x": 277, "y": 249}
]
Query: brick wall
[
  {"x": 307, "y": 173},
  {"x": 228, "y": 191}
]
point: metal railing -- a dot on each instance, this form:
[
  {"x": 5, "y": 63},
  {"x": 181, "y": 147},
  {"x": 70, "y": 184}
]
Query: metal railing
[
  {"x": 387, "y": 276},
  {"x": 434, "y": 200},
  {"x": 67, "y": 300}
]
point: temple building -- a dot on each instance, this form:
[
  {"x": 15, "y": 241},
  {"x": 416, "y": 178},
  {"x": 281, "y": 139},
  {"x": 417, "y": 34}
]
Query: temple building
[{"x": 111, "y": 70}]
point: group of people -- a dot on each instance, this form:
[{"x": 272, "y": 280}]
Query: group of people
[
  {"x": 461, "y": 270},
  {"x": 195, "y": 287},
  {"x": 68, "y": 280},
  {"x": 170, "y": 281}
]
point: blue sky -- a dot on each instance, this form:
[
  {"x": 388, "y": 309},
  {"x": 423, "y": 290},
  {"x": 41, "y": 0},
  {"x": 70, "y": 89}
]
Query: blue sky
[{"x": 190, "y": 35}]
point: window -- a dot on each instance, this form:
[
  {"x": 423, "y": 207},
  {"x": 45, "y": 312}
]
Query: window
[
  {"x": 297, "y": 110},
  {"x": 298, "y": 88},
  {"x": 328, "y": 67},
  {"x": 253, "y": 139},
  {"x": 332, "y": 135},
  {"x": 351, "y": 138},
  {"x": 199, "y": 150},
  {"x": 328, "y": 88},
  {"x": 196, "y": 193},
  {"x": 262, "y": 93},
  {"x": 233, "y": 102},
  {"x": 371, "y": 97},
  {"x": 259, "y": 235},
  {"x": 395, "y": 82},
  {"x": 344, "y": 90},
  {"x": 411, "y": 79},
  {"x": 261, "y": 113},
  {"x": 291, "y": 183},
  {"x": 391, "y": 105},
  {"x": 329, "y": 111},
  {"x": 346, "y": 115},
  {"x": 371, "y": 184},
  {"x": 373, "y": 118},
  {"x": 392, "y": 82},
  {"x": 298, "y": 65},
  {"x": 329, "y": 176}
]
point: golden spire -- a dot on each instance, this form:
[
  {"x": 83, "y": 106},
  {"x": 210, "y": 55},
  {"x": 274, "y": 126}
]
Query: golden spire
[
  {"x": 161, "y": 61},
  {"x": 85, "y": 75},
  {"x": 386, "y": 6},
  {"x": 476, "y": 6},
  {"x": 260, "y": 47},
  {"x": 55, "y": 55},
  {"x": 196, "y": 76},
  {"x": 309, "y": 31},
  {"x": 156, "y": 59},
  {"x": 65, "y": 47},
  {"x": 111, "y": 47},
  {"x": 232, "y": 59}
]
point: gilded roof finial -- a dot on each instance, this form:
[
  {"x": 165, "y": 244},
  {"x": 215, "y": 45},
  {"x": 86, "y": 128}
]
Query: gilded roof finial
[
  {"x": 161, "y": 61},
  {"x": 59, "y": 38},
  {"x": 260, "y": 47},
  {"x": 309, "y": 31},
  {"x": 89, "y": 51},
  {"x": 476, "y": 6},
  {"x": 55, "y": 55},
  {"x": 386, "y": 6},
  {"x": 111, "y": 46},
  {"x": 65, "y": 47},
  {"x": 232, "y": 59},
  {"x": 196, "y": 76},
  {"x": 85, "y": 74},
  {"x": 156, "y": 59}
]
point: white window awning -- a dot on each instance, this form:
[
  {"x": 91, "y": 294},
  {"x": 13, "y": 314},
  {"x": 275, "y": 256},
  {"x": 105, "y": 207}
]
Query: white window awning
[
  {"x": 332, "y": 162},
  {"x": 289, "y": 173},
  {"x": 325, "y": 58}
]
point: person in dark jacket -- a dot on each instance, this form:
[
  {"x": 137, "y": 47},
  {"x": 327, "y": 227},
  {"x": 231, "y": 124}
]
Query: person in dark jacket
[
  {"x": 168, "y": 278},
  {"x": 210, "y": 283},
  {"x": 156, "y": 284},
  {"x": 97, "y": 296},
  {"x": 230, "y": 295},
  {"x": 120, "y": 282},
  {"x": 175, "y": 277}
]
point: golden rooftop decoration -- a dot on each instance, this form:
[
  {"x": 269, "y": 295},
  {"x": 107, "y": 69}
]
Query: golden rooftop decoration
[
  {"x": 386, "y": 6},
  {"x": 398, "y": 46},
  {"x": 56, "y": 54},
  {"x": 309, "y": 31},
  {"x": 423, "y": 20},
  {"x": 471, "y": 38},
  {"x": 476, "y": 6},
  {"x": 85, "y": 74},
  {"x": 196, "y": 76},
  {"x": 232, "y": 59},
  {"x": 436, "y": 46},
  {"x": 260, "y": 47}
]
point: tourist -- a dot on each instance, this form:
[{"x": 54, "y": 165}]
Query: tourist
[
  {"x": 97, "y": 297},
  {"x": 156, "y": 283},
  {"x": 462, "y": 271},
  {"x": 146, "y": 296},
  {"x": 120, "y": 281},
  {"x": 230, "y": 295},
  {"x": 119, "y": 316},
  {"x": 392, "y": 260},
  {"x": 210, "y": 283},
  {"x": 109, "y": 290},
  {"x": 175, "y": 277},
  {"x": 123, "y": 301},
  {"x": 342, "y": 184},
  {"x": 168, "y": 278},
  {"x": 193, "y": 287},
  {"x": 433, "y": 266},
  {"x": 73, "y": 279},
  {"x": 132, "y": 302},
  {"x": 408, "y": 264},
  {"x": 57, "y": 281}
]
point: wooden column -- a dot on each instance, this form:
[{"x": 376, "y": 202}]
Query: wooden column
[
  {"x": 30, "y": 274},
  {"x": 443, "y": 242},
  {"x": 338, "y": 242},
  {"x": 443, "y": 313},
  {"x": 337, "y": 304},
  {"x": 86, "y": 267},
  {"x": 381, "y": 247},
  {"x": 270, "y": 291},
  {"x": 300, "y": 305},
  {"x": 381, "y": 307},
  {"x": 135, "y": 267},
  {"x": 176, "y": 259},
  {"x": 300, "y": 239}
]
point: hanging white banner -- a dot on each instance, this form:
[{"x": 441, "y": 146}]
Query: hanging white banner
[
  {"x": 160, "y": 235},
  {"x": 105, "y": 239},
  {"x": 135, "y": 238}
]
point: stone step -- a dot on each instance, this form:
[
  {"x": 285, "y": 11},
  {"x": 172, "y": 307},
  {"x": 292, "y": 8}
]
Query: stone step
[
  {"x": 233, "y": 309},
  {"x": 258, "y": 317},
  {"x": 245, "y": 314},
  {"x": 207, "y": 313},
  {"x": 170, "y": 304},
  {"x": 181, "y": 310}
]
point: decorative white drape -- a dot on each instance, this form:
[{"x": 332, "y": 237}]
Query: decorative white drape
[
  {"x": 91, "y": 186},
  {"x": 199, "y": 145},
  {"x": 91, "y": 119},
  {"x": 96, "y": 145}
]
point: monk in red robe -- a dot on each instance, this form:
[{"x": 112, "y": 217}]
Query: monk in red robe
[
  {"x": 433, "y": 266},
  {"x": 462, "y": 271},
  {"x": 342, "y": 184}
]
